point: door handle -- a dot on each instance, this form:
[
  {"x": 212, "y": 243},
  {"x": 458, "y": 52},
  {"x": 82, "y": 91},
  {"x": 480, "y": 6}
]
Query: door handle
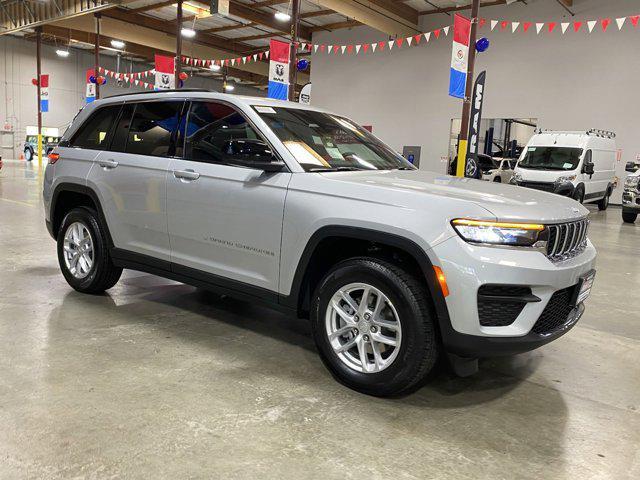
[
  {"x": 108, "y": 163},
  {"x": 188, "y": 175}
]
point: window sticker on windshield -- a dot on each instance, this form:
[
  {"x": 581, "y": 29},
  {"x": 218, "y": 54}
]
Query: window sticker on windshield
[
  {"x": 531, "y": 149},
  {"x": 316, "y": 140},
  {"x": 567, "y": 165},
  {"x": 261, "y": 109},
  {"x": 334, "y": 153}
]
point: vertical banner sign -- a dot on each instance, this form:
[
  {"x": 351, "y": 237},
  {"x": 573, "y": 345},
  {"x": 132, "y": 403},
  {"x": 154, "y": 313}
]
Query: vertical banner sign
[
  {"x": 305, "y": 94},
  {"x": 44, "y": 93},
  {"x": 165, "y": 73},
  {"x": 90, "y": 92},
  {"x": 279, "y": 70},
  {"x": 459, "y": 56},
  {"x": 476, "y": 114}
]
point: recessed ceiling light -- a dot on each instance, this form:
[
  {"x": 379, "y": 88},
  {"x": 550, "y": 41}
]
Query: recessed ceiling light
[
  {"x": 283, "y": 17},
  {"x": 117, "y": 44},
  {"x": 62, "y": 53},
  {"x": 188, "y": 32},
  {"x": 229, "y": 88},
  {"x": 214, "y": 67}
]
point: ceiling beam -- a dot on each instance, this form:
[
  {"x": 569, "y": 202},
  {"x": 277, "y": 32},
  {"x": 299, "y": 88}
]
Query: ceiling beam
[
  {"x": 448, "y": 10},
  {"x": 317, "y": 13},
  {"x": 155, "y": 6},
  {"x": 398, "y": 8},
  {"x": 228, "y": 28},
  {"x": 568, "y": 3},
  {"x": 337, "y": 25},
  {"x": 374, "y": 15}
]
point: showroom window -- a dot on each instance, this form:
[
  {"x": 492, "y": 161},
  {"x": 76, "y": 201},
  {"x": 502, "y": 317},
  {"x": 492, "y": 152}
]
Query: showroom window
[
  {"x": 93, "y": 134},
  {"x": 152, "y": 128},
  {"x": 210, "y": 130}
]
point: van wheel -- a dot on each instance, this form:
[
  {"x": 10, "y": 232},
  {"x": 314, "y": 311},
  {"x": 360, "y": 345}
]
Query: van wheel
[
  {"x": 83, "y": 254},
  {"x": 604, "y": 203},
  {"x": 373, "y": 327},
  {"x": 629, "y": 217},
  {"x": 578, "y": 195}
]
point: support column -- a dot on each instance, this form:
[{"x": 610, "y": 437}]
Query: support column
[
  {"x": 39, "y": 74},
  {"x": 178, "y": 60},
  {"x": 466, "y": 105},
  {"x": 96, "y": 53},
  {"x": 293, "y": 70}
]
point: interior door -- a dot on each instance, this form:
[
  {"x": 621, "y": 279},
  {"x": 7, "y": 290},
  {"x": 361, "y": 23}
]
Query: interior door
[
  {"x": 131, "y": 177},
  {"x": 224, "y": 220}
]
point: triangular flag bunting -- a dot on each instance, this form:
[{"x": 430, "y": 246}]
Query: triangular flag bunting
[
  {"x": 436, "y": 32},
  {"x": 576, "y": 26},
  {"x": 358, "y": 49},
  {"x": 373, "y": 47},
  {"x": 564, "y": 26},
  {"x": 417, "y": 38},
  {"x": 330, "y": 47},
  {"x": 304, "y": 46},
  {"x": 493, "y": 24},
  {"x": 605, "y": 24},
  {"x": 266, "y": 54},
  {"x": 552, "y": 25},
  {"x": 390, "y": 43},
  {"x": 427, "y": 36},
  {"x": 514, "y": 26},
  {"x": 620, "y": 22},
  {"x": 381, "y": 45},
  {"x": 591, "y": 24},
  {"x": 526, "y": 26},
  {"x": 233, "y": 62},
  {"x": 365, "y": 47},
  {"x": 482, "y": 22},
  {"x": 539, "y": 27},
  {"x": 343, "y": 48},
  {"x": 634, "y": 20},
  {"x": 350, "y": 49},
  {"x": 315, "y": 48},
  {"x": 409, "y": 40},
  {"x": 255, "y": 57},
  {"x": 503, "y": 24},
  {"x": 446, "y": 30},
  {"x": 399, "y": 42}
]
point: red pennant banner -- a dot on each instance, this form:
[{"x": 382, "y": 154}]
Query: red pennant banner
[
  {"x": 527, "y": 26},
  {"x": 350, "y": 49},
  {"x": 552, "y": 25},
  {"x": 417, "y": 38},
  {"x": 576, "y": 26},
  {"x": 482, "y": 22},
  {"x": 634, "y": 19},
  {"x": 365, "y": 47},
  {"x": 503, "y": 24},
  {"x": 381, "y": 45},
  {"x": 605, "y": 24},
  {"x": 399, "y": 42},
  {"x": 437, "y": 33}
]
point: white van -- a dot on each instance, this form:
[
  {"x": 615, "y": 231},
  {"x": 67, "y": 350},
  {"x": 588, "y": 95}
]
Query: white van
[{"x": 580, "y": 165}]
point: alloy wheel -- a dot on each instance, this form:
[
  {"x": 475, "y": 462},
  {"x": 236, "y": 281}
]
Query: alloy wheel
[
  {"x": 78, "y": 250},
  {"x": 363, "y": 328}
]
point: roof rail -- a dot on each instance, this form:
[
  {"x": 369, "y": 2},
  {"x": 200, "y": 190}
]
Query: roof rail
[
  {"x": 592, "y": 132},
  {"x": 601, "y": 133},
  {"x": 160, "y": 91}
]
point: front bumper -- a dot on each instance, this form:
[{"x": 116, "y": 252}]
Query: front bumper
[
  {"x": 564, "y": 189},
  {"x": 467, "y": 267},
  {"x": 630, "y": 200}
]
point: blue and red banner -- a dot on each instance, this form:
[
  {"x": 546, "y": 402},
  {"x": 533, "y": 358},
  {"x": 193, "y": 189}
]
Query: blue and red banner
[
  {"x": 165, "y": 73},
  {"x": 279, "y": 70},
  {"x": 90, "y": 89},
  {"x": 44, "y": 93},
  {"x": 459, "y": 56}
]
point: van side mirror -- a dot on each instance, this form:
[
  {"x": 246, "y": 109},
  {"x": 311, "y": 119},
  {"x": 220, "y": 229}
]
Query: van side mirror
[
  {"x": 588, "y": 169},
  {"x": 632, "y": 167},
  {"x": 251, "y": 153}
]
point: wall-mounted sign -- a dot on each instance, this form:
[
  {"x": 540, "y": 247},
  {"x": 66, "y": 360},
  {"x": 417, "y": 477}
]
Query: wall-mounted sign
[{"x": 305, "y": 94}]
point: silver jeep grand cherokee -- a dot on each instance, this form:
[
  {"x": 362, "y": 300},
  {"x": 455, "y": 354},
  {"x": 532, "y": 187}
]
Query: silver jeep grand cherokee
[{"x": 308, "y": 212}]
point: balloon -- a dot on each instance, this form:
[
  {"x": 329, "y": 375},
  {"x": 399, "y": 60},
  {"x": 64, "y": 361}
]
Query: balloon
[
  {"x": 183, "y": 76},
  {"x": 34, "y": 81},
  {"x": 482, "y": 44},
  {"x": 303, "y": 65},
  {"x": 100, "y": 80},
  {"x": 180, "y": 82},
  {"x": 92, "y": 79}
]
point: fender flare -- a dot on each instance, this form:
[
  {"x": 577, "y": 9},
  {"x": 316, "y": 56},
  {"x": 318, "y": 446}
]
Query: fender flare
[{"x": 376, "y": 236}]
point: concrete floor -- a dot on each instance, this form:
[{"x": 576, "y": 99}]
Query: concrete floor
[{"x": 161, "y": 380}]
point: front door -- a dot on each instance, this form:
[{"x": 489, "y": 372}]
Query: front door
[{"x": 224, "y": 220}]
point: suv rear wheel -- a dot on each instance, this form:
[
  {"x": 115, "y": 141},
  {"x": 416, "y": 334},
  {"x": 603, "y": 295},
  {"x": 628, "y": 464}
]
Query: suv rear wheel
[
  {"x": 373, "y": 327},
  {"x": 629, "y": 217},
  {"x": 83, "y": 254}
]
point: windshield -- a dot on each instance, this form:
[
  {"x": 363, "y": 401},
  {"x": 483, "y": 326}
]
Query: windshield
[
  {"x": 321, "y": 142},
  {"x": 551, "y": 158}
]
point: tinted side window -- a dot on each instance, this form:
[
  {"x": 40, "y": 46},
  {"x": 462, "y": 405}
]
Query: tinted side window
[
  {"x": 152, "y": 128},
  {"x": 121, "y": 131},
  {"x": 94, "y": 133},
  {"x": 210, "y": 127}
]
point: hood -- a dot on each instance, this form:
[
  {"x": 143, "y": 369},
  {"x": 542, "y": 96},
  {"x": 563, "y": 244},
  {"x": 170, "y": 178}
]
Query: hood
[
  {"x": 505, "y": 202},
  {"x": 532, "y": 175}
]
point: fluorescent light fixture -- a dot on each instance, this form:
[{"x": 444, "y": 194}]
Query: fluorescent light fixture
[
  {"x": 62, "y": 53},
  {"x": 214, "y": 67},
  {"x": 282, "y": 16},
  {"x": 188, "y": 32},
  {"x": 196, "y": 10},
  {"x": 229, "y": 88},
  {"x": 117, "y": 44}
]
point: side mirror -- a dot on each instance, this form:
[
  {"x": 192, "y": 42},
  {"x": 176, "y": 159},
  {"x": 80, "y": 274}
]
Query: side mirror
[
  {"x": 632, "y": 167},
  {"x": 588, "y": 169},
  {"x": 251, "y": 153}
]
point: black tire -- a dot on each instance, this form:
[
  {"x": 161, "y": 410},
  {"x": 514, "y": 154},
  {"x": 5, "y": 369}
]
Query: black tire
[
  {"x": 578, "y": 195},
  {"x": 497, "y": 179},
  {"x": 629, "y": 217},
  {"x": 603, "y": 204},
  {"x": 28, "y": 154},
  {"x": 419, "y": 346},
  {"x": 103, "y": 274}
]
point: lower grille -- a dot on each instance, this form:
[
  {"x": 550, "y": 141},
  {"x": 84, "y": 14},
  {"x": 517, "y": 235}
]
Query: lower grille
[
  {"x": 500, "y": 305},
  {"x": 544, "y": 186},
  {"x": 556, "y": 314}
]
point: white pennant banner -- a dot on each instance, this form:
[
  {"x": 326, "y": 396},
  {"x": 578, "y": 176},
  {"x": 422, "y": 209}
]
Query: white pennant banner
[
  {"x": 514, "y": 26},
  {"x": 564, "y": 26},
  {"x": 539, "y": 27},
  {"x": 493, "y": 24},
  {"x": 620, "y": 22},
  {"x": 591, "y": 24}
]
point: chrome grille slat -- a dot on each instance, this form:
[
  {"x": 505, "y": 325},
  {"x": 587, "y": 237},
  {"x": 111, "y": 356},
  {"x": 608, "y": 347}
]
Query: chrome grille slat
[{"x": 567, "y": 240}]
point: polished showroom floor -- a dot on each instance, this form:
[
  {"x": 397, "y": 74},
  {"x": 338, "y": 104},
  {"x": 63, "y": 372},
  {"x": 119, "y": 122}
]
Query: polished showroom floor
[{"x": 161, "y": 380}]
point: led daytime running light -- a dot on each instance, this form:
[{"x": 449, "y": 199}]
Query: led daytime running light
[{"x": 515, "y": 226}]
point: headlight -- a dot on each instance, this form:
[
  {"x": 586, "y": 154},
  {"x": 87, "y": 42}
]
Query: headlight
[
  {"x": 499, "y": 233},
  {"x": 631, "y": 182},
  {"x": 517, "y": 178},
  {"x": 566, "y": 179}
]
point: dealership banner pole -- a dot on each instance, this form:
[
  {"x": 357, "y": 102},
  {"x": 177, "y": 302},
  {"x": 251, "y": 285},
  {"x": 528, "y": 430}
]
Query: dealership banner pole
[
  {"x": 295, "y": 20},
  {"x": 178, "y": 62},
  {"x": 96, "y": 55},
  {"x": 466, "y": 105},
  {"x": 39, "y": 77}
]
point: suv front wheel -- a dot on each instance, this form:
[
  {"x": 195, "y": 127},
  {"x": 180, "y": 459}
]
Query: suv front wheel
[
  {"x": 373, "y": 327},
  {"x": 83, "y": 254}
]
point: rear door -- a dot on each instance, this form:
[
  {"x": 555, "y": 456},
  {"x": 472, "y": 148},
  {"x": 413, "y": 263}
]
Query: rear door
[
  {"x": 224, "y": 220},
  {"x": 131, "y": 176}
]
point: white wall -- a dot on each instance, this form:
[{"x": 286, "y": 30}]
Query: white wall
[
  {"x": 571, "y": 82},
  {"x": 18, "y": 101}
]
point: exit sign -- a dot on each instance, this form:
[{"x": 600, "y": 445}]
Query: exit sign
[{"x": 219, "y": 7}]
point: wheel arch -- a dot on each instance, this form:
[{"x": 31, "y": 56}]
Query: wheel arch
[{"x": 306, "y": 277}]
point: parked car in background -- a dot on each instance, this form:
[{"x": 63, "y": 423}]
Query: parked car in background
[
  {"x": 31, "y": 145},
  {"x": 475, "y": 167},
  {"x": 580, "y": 165},
  {"x": 631, "y": 197},
  {"x": 502, "y": 172}
]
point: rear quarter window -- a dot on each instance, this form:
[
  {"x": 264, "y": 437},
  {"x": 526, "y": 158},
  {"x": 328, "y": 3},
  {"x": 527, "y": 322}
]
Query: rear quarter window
[{"x": 96, "y": 130}]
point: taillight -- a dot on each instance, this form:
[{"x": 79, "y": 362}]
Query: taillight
[{"x": 53, "y": 157}]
